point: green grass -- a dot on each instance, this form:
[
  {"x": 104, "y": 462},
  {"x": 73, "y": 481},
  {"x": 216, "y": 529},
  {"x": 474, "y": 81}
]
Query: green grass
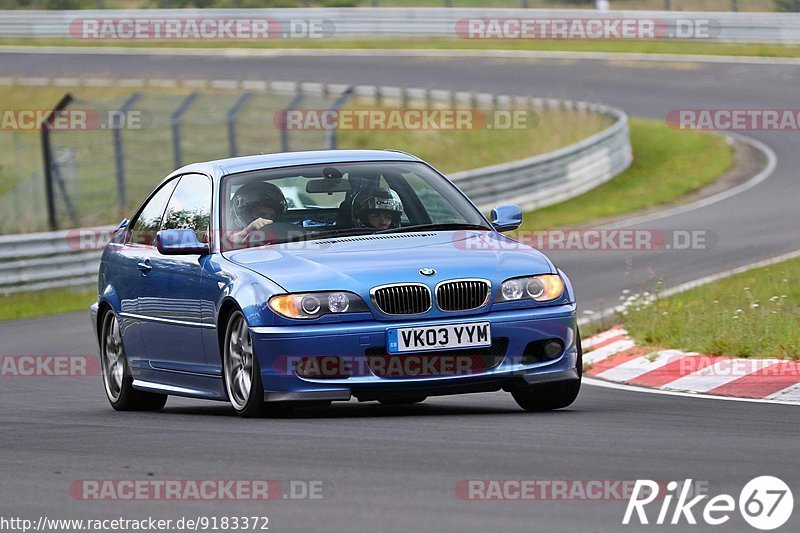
[
  {"x": 441, "y": 43},
  {"x": 754, "y": 314},
  {"x": 668, "y": 164},
  {"x": 453, "y": 151},
  {"x": 43, "y": 303}
]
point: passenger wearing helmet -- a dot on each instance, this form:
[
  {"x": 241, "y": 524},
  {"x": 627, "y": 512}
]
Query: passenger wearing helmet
[
  {"x": 377, "y": 208},
  {"x": 254, "y": 206}
]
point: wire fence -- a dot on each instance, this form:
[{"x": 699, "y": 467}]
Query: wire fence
[
  {"x": 97, "y": 172},
  {"x": 22, "y": 195},
  {"x": 102, "y": 171}
]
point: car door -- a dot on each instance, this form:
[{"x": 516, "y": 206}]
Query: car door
[
  {"x": 170, "y": 296},
  {"x": 127, "y": 267}
]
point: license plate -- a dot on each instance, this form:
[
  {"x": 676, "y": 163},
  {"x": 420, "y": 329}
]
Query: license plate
[{"x": 474, "y": 335}]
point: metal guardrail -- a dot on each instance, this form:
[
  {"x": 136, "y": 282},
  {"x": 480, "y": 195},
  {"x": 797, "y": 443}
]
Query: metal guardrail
[
  {"x": 370, "y": 22},
  {"x": 71, "y": 257},
  {"x": 56, "y": 259},
  {"x": 556, "y": 176}
]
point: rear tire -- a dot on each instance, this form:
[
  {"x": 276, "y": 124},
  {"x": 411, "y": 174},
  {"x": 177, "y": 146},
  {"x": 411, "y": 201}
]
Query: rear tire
[
  {"x": 550, "y": 396},
  {"x": 242, "y": 373},
  {"x": 117, "y": 379}
]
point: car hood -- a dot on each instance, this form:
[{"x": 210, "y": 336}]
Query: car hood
[{"x": 362, "y": 262}]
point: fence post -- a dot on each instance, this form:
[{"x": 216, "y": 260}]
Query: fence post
[
  {"x": 59, "y": 179},
  {"x": 233, "y": 112},
  {"x": 284, "y": 127},
  {"x": 331, "y": 135},
  {"x": 119, "y": 156},
  {"x": 175, "y": 120},
  {"x": 47, "y": 157}
]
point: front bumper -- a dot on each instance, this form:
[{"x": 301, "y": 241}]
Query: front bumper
[{"x": 279, "y": 348}]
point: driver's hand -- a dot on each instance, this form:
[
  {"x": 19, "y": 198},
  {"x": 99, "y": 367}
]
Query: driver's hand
[
  {"x": 258, "y": 224},
  {"x": 242, "y": 236}
]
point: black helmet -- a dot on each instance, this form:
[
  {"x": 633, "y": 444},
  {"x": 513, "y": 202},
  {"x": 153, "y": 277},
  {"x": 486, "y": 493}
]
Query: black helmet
[
  {"x": 254, "y": 195},
  {"x": 376, "y": 201}
]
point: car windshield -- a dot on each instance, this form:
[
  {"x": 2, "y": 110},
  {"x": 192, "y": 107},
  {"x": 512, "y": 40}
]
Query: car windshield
[{"x": 321, "y": 201}]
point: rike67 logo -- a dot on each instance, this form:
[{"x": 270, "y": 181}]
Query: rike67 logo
[{"x": 765, "y": 502}]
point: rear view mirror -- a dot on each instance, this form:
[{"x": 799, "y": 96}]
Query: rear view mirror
[
  {"x": 326, "y": 185},
  {"x": 180, "y": 242}
]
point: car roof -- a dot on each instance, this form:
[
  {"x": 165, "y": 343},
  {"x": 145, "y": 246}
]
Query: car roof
[{"x": 234, "y": 165}]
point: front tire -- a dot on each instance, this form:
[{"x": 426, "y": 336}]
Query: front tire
[
  {"x": 242, "y": 373},
  {"x": 550, "y": 396},
  {"x": 117, "y": 379}
]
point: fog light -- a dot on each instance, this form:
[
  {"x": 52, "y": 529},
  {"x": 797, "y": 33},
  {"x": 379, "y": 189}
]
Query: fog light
[{"x": 553, "y": 349}]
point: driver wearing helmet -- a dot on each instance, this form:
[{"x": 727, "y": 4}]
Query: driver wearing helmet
[
  {"x": 254, "y": 206},
  {"x": 377, "y": 208}
]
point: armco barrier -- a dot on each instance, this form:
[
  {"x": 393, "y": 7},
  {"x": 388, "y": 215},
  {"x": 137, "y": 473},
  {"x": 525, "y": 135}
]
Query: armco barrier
[
  {"x": 556, "y": 176},
  {"x": 412, "y": 22},
  {"x": 36, "y": 261},
  {"x": 62, "y": 259}
]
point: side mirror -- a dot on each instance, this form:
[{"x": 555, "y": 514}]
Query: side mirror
[
  {"x": 506, "y": 217},
  {"x": 180, "y": 242}
]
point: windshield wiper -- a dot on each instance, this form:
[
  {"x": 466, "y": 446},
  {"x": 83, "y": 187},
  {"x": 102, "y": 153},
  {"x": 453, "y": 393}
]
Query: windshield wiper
[{"x": 434, "y": 227}]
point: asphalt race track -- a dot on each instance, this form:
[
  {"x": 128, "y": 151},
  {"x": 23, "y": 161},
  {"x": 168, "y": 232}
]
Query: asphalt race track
[{"x": 396, "y": 468}]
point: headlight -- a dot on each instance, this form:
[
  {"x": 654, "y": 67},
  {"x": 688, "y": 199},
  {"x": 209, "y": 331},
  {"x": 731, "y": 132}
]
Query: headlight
[
  {"x": 511, "y": 290},
  {"x": 315, "y": 304},
  {"x": 542, "y": 288},
  {"x": 338, "y": 302}
]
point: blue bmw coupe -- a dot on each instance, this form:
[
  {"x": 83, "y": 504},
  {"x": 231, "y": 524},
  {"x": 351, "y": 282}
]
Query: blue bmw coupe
[{"x": 286, "y": 280}]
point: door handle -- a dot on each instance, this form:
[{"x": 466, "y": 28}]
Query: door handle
[{"x": 144, "y": 266}]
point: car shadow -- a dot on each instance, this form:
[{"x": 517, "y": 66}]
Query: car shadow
[{"x": 372, "y": 410}]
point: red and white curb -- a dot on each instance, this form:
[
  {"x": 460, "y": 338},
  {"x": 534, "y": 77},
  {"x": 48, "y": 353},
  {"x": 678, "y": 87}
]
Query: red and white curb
[{"x": 613, "y": 356}]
